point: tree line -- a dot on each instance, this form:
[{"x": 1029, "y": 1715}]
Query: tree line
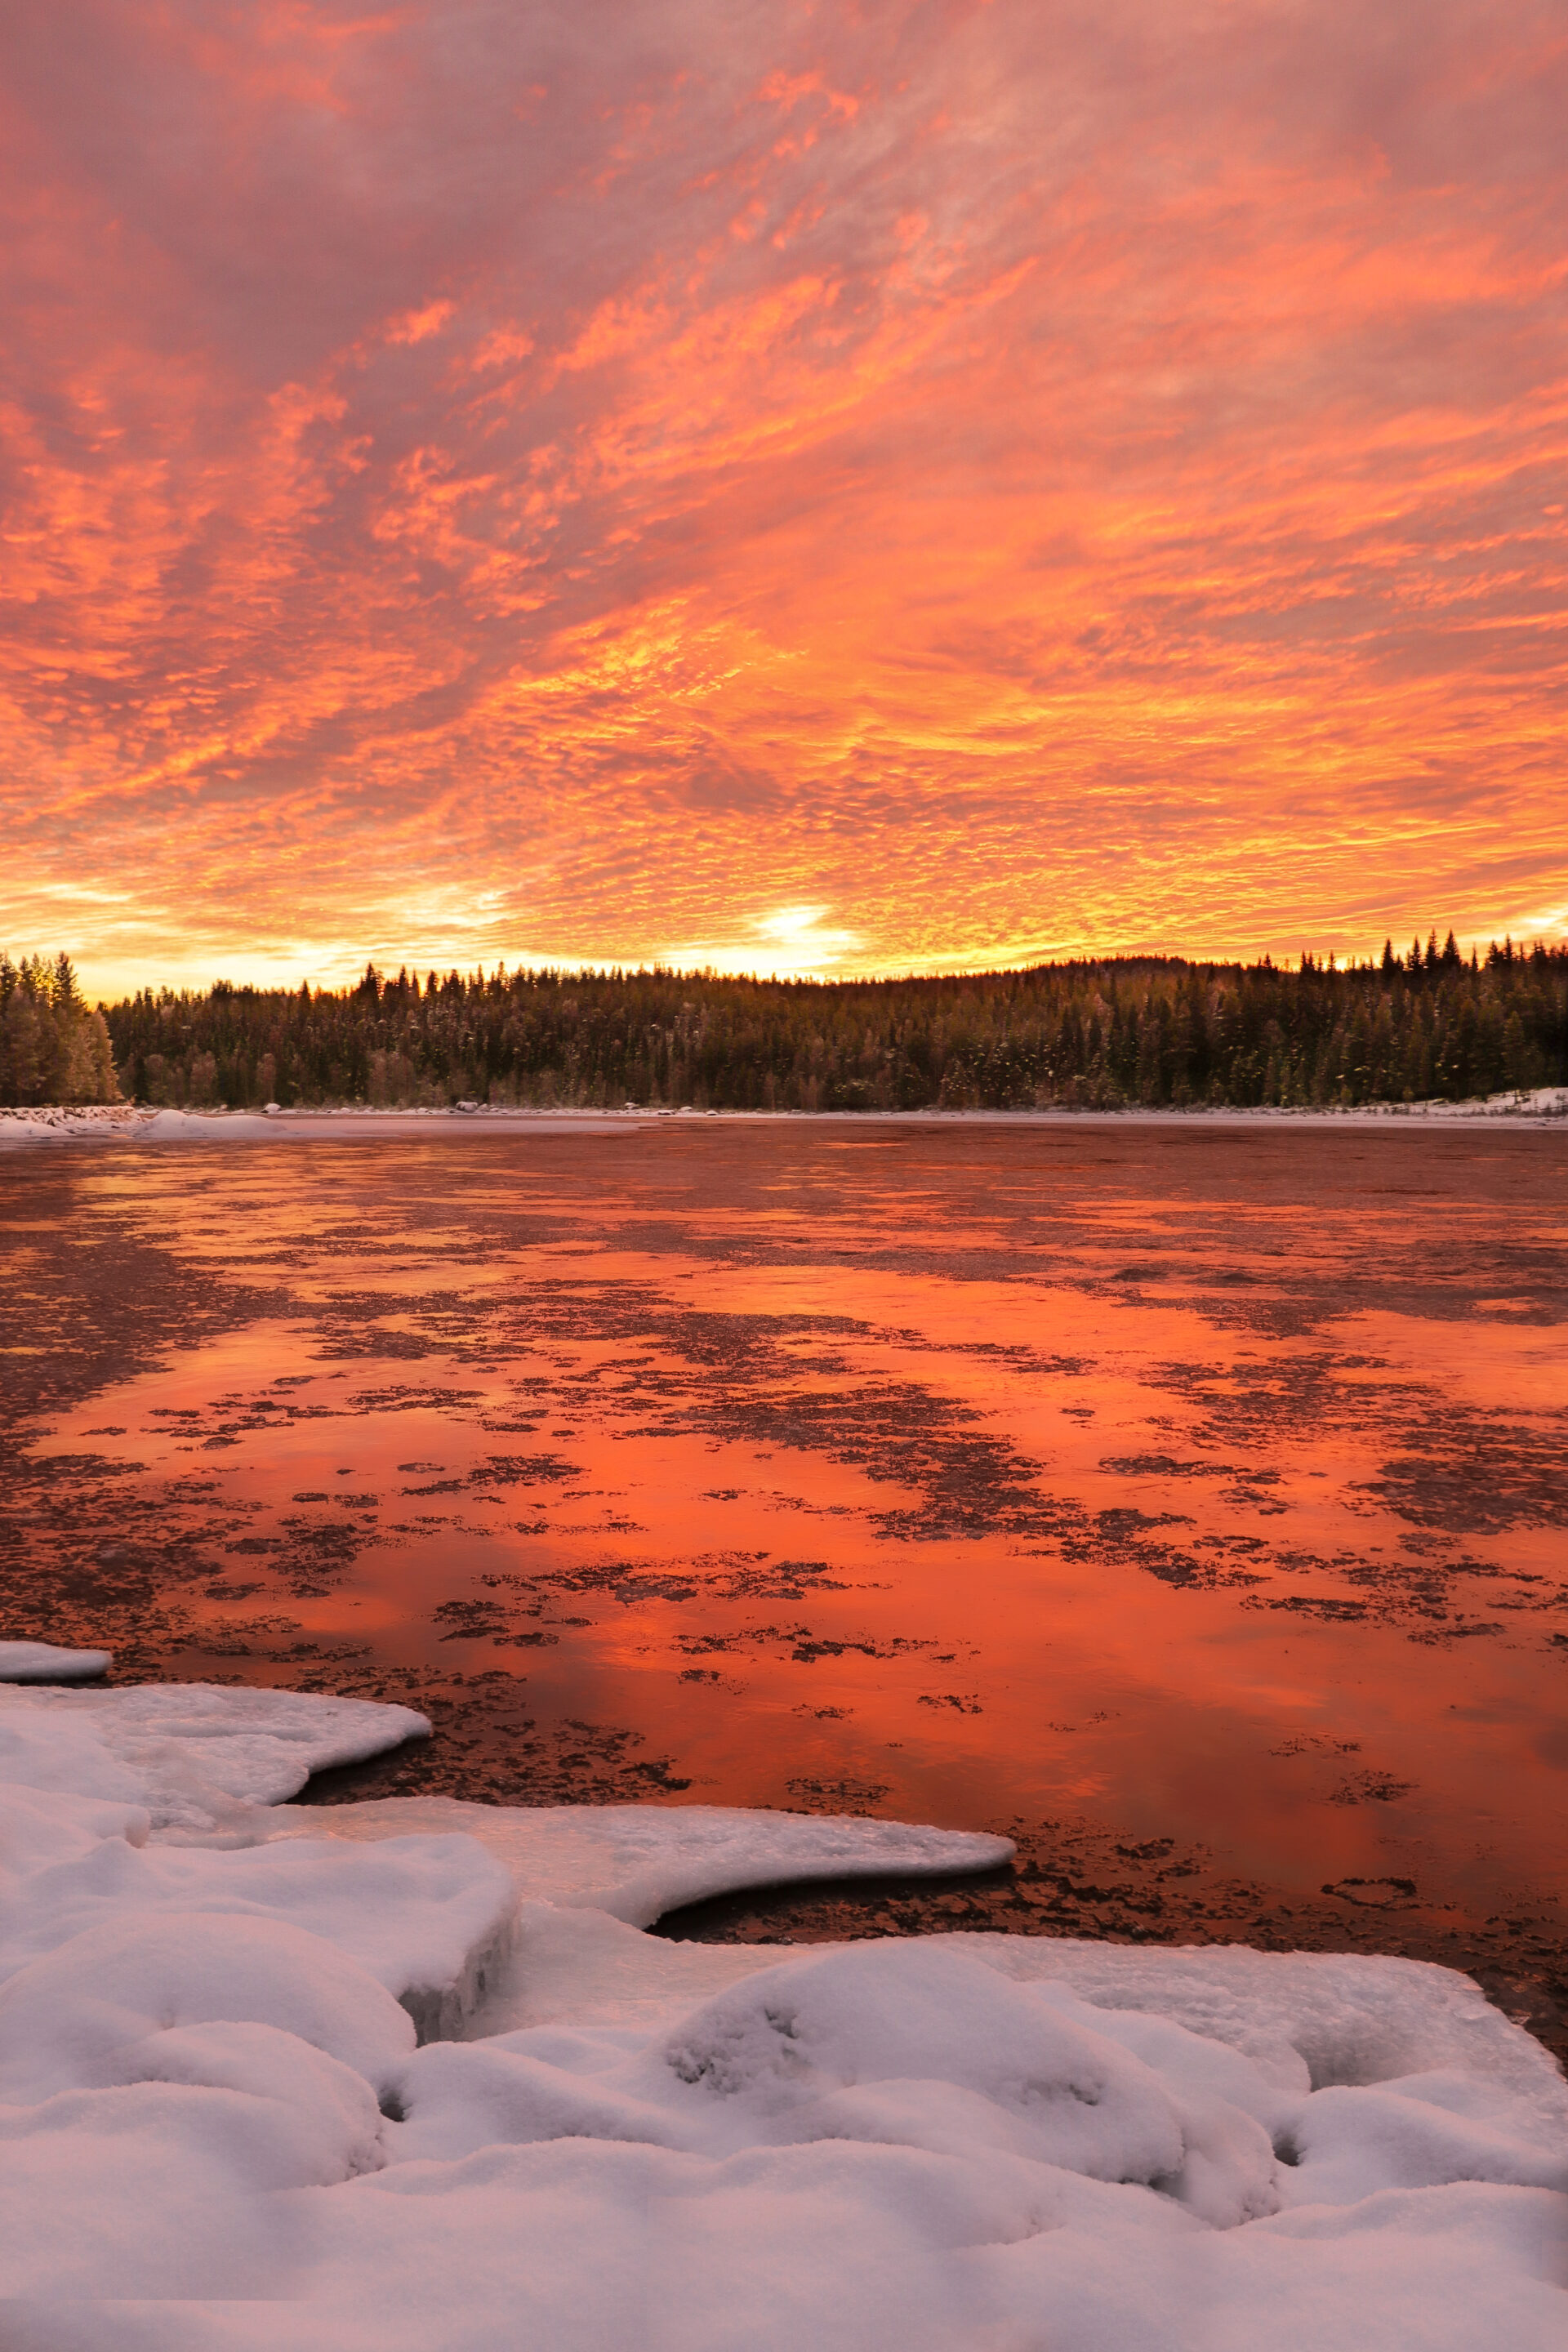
[
  {"x": 54, "y": 1047},
  {"x": 1121, "y": 1033}
]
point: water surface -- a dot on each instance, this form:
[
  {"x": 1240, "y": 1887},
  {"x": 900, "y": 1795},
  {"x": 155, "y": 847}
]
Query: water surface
[{"x": 1200, "y": 1484}]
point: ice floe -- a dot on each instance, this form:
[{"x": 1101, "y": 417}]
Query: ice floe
[{"x": 410, "y": 2072}]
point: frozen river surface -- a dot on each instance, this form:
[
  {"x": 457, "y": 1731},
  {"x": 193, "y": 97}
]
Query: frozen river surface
[{"x": 1186, "y": 1500}]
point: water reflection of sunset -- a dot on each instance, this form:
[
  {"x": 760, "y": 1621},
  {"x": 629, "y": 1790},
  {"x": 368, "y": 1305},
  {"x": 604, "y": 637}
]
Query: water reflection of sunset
[{"x": 1178, "y": 1479}]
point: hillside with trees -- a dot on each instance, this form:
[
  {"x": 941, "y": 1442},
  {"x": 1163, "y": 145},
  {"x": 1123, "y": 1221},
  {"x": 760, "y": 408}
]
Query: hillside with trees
[
  {"x": 53, "y": 1048},
  {"x": 1088, "y": 1036}
]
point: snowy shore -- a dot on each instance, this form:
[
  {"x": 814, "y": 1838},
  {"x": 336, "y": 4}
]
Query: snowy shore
[
  {"x": 123, "y": 1123},
  {"x": 412, "y": 2067}
]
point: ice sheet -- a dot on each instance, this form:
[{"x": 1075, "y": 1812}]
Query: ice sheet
[{"x": 219, "y": 2131}]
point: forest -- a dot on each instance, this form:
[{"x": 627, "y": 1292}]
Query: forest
[
  {"x": 54, "y": 1047},
  {"x": 1155, "y": 1032}
]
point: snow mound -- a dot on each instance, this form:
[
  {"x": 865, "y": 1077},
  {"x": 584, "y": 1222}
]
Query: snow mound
[
  {"x": 194, "y": 1754},
  {"x": 70, "y": 2020},
  {"x": 1313, "y": 2019},
  {"x": 123, "y": 1123},
  {"x": 214, "y": 2099},
  {"x": 194, "y": 1127},
  {"x": 40, "y": 1661},
  {"x": 74, "y": 1122},
  {"x": 430, "y": 1918}
]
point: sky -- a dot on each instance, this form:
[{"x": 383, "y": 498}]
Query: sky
[{"x": 917, "y": 485}]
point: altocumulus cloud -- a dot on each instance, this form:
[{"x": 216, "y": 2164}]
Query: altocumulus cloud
[{"x": 575, "y": 480}]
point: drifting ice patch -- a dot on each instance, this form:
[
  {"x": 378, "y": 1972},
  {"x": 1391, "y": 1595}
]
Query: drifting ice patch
[{"x": 212, "y": 2102}]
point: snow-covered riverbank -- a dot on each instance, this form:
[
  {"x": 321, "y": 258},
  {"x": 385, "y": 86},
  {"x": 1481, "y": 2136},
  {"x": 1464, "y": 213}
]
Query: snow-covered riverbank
[
  {"x": 123, "y": 1123},
  {"x": 413, "y": 2066}
]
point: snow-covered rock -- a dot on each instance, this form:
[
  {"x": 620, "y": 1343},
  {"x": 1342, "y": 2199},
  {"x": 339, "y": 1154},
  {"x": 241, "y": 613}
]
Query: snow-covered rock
[{"x": 219, "y": 2134}]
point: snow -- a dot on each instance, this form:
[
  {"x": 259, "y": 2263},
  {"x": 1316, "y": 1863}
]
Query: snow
[
  {"x": 430, "y": 1918},
  {"x": 40, "y": 1661},
  {"x": 125, "y": 1123},
  {"x": 72, "y": 1122},
  {"x": 196, "y": 1754},
  {"x": 121, "y": 1122},
  {"x": 415, "y": 2069},
  {"x": 637, "y": 1862}
]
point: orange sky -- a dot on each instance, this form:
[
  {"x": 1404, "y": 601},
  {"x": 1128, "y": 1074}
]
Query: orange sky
[{"x": 832, "y": 487}]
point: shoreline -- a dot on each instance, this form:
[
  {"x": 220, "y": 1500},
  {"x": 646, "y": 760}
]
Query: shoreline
[
  {"x": 426, "y": 2058},
  {"x": 1546, "y": 1108}
]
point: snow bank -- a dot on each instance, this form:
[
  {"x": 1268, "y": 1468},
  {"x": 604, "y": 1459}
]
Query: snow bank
[
  {"x": 201, "y": 1127},
  {"x": 430, "y": 1918},
  {"x": 120, "y": 1123},
  {"x": 123, "y": 1123},
  {"x": 637, "y": 1862},
  {"x": 40, "y": 1661},
  {"x": 195, "y": 1754},
  {"x": 1532, "y": 1102},
  {"x": 62, "y": 1123},
  {"x": 213, "y": 2096}
]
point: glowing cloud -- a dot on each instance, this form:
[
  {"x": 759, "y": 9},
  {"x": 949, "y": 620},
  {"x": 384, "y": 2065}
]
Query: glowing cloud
[
  {"x": 791, "y": 943},
  {"x": 489, "y": 482}
]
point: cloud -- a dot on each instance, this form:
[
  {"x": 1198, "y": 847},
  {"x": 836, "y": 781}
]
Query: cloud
[
  {"x": 1085, "y": 475},
  {"x": 787, "y": 943}
]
